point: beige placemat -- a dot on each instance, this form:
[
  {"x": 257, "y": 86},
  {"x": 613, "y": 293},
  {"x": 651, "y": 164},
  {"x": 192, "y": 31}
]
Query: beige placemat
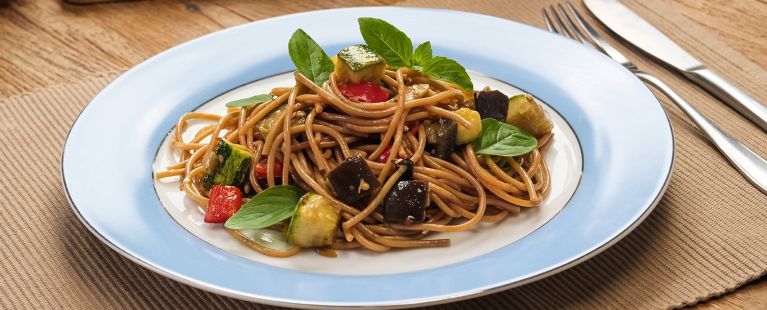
[{"x": 706, "y": 237}]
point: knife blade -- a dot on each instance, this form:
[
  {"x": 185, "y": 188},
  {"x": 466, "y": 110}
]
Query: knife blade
[{"x": 631, "y": 27}]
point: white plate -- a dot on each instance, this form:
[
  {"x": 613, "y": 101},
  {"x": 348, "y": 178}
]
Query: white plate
[{"x": 623, "y": 134}]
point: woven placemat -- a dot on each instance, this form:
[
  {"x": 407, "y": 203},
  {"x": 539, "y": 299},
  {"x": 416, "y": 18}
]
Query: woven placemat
[{"x": 706, "y": 237}]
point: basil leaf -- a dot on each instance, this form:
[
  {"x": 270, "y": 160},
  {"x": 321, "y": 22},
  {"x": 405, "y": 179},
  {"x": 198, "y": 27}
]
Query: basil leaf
[
  {"x": 501, "y": 139},
  {"x": 309, "y": 58},
  {"x": 267, "y": 208},
  {"x": 386, "y": 40},
  {"x": 422, "y": 54},
  {"x": 255, "y": 100},
  {"x": 448, "y": 70}
]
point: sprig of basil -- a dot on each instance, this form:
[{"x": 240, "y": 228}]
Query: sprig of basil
[
  {"x": 448, "y": 70},
  {"x": 386, "y": 40},
  {"x": 255, "y": 100},
  {"x": 267, "y": 208},
  {"x": 397, "y": 49},
  {"x": 501, "y": 139},
  {"x": 309, "y": 58},
  {"x": 422, "y": 55}
]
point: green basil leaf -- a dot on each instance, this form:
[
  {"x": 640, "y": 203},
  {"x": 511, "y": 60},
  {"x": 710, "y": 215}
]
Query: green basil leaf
[
  {"x": 448, "y": 70},
  {"x": 309, "y": 58},
  {"x": 255, "y": 100},
  {"x": 386, "y": 40},
  {"x": 267, "y": 208},
  {"x": 501, "y": 139},
  {"x": 422, "y": 54}
]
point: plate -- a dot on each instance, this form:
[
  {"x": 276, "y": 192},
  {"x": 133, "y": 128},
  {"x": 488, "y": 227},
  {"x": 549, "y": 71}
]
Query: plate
[{"x": 612, "y": 158}]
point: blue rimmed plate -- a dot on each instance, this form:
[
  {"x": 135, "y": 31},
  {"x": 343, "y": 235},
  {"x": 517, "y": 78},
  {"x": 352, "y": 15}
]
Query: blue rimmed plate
[{"x": 610, "y": 162}]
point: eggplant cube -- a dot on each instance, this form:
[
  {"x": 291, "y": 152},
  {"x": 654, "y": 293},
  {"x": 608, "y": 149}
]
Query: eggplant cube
[
  {"x": 352, "y": 180},
  {"x": 441, "y": 134},
  {"x": 492, "y": 104},
  {"x": 406, "y": 203}
]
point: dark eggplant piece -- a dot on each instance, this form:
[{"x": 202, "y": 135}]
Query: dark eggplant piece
[
  {"x": 352, "y": 180},
  {"x": 492, "y": 104},
  {"x": 441, "y": 134},
  {"x": 408, "y": 175},
  {"x": 406, "y": 203}
]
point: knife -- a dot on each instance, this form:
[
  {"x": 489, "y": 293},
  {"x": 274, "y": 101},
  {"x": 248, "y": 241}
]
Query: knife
[{"x": 621, "y": 20}]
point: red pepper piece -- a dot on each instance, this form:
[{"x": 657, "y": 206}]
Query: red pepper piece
[
  {"x": 364, "y": 92},
  {"x": 261, "y": 169},
  {"x": 384, "y": 157},
  {"x": 224, "y": 202},
  {"x": 413, "y": 129}
]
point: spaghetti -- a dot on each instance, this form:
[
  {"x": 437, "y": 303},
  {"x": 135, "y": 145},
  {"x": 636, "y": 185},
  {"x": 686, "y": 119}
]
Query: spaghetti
[{"x": 307, "y": 131}]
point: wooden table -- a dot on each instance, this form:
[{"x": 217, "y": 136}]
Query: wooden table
[{"x": 46, "y": 42}]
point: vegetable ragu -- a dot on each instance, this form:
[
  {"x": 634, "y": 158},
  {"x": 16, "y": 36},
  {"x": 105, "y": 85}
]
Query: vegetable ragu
[{"x": 382, "y": 146}]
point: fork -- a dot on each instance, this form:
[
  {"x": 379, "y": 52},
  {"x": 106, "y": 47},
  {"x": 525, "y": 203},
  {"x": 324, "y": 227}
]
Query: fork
[{"x": 749, "y": 164}]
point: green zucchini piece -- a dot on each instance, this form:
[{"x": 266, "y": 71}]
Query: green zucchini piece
[
  {"x": 315, "y": 222},
  {"x": 528, "y": 115},
  {"x": 358, "y": 63},
  {"x": 228, "y": 164},
  {"x": 266, "y": 124}
]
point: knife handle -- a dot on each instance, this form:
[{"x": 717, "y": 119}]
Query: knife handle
[
  {"x": 730, "y": 94},
  {"x": 751, "y": 166}
]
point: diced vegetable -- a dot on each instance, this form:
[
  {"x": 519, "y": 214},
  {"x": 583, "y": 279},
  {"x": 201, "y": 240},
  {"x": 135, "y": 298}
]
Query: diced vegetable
[
  {"x": 408, "y": 164},
  {"x": 406, "y": 203},
  {"x": 224, "y": 201},
  {"x": 468, "y": 134},
  {"x": 441, "y": 135},
  {"x": 261, "y": 169},
  {"x": 314, "y": 223},
  {"x": 266, "y": 124},
  {"x": 528, "y": 115},
  {"x": 492, "y": 104},
  {"x": 228, "y": 164},
  {"x": 384, "y": 157},
  {"x": 352, "y": 180},
  {"x": 358, "y": 63},
  {"x": 364, "y": 92}
]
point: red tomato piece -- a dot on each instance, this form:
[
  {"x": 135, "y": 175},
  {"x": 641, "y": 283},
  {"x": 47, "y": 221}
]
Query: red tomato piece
[
  {"x": 384, "y": 157},
  {"x": 261, "y": 169},
  {"x": 364, "y": 92},
  {"x": 224, "y": 201}
]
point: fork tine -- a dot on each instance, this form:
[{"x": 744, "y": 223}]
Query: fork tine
[
  {"x": 600, "y": 43},
  {"x": 547, "y": 19},
  {"x": 577, "y": 32},
  {"x": 590, "y": 32},
  {"x": 561, "y": 24}
]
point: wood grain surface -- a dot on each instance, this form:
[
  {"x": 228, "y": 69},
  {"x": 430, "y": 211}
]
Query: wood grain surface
[{"x": 47, "y": 42}]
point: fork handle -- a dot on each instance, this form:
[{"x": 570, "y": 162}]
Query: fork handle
[
  {"x": 733, "y": 96},
  {"x": 750, "y": 165}
]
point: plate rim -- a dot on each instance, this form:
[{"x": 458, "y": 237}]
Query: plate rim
[{"x": 400, "y": 303}]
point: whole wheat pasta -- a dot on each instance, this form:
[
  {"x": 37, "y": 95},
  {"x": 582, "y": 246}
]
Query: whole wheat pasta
[{"x": 312, "y": 129}]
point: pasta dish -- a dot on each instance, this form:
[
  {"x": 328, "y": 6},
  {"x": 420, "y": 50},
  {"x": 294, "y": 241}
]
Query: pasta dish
[{"x": 377, "y": 147}]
